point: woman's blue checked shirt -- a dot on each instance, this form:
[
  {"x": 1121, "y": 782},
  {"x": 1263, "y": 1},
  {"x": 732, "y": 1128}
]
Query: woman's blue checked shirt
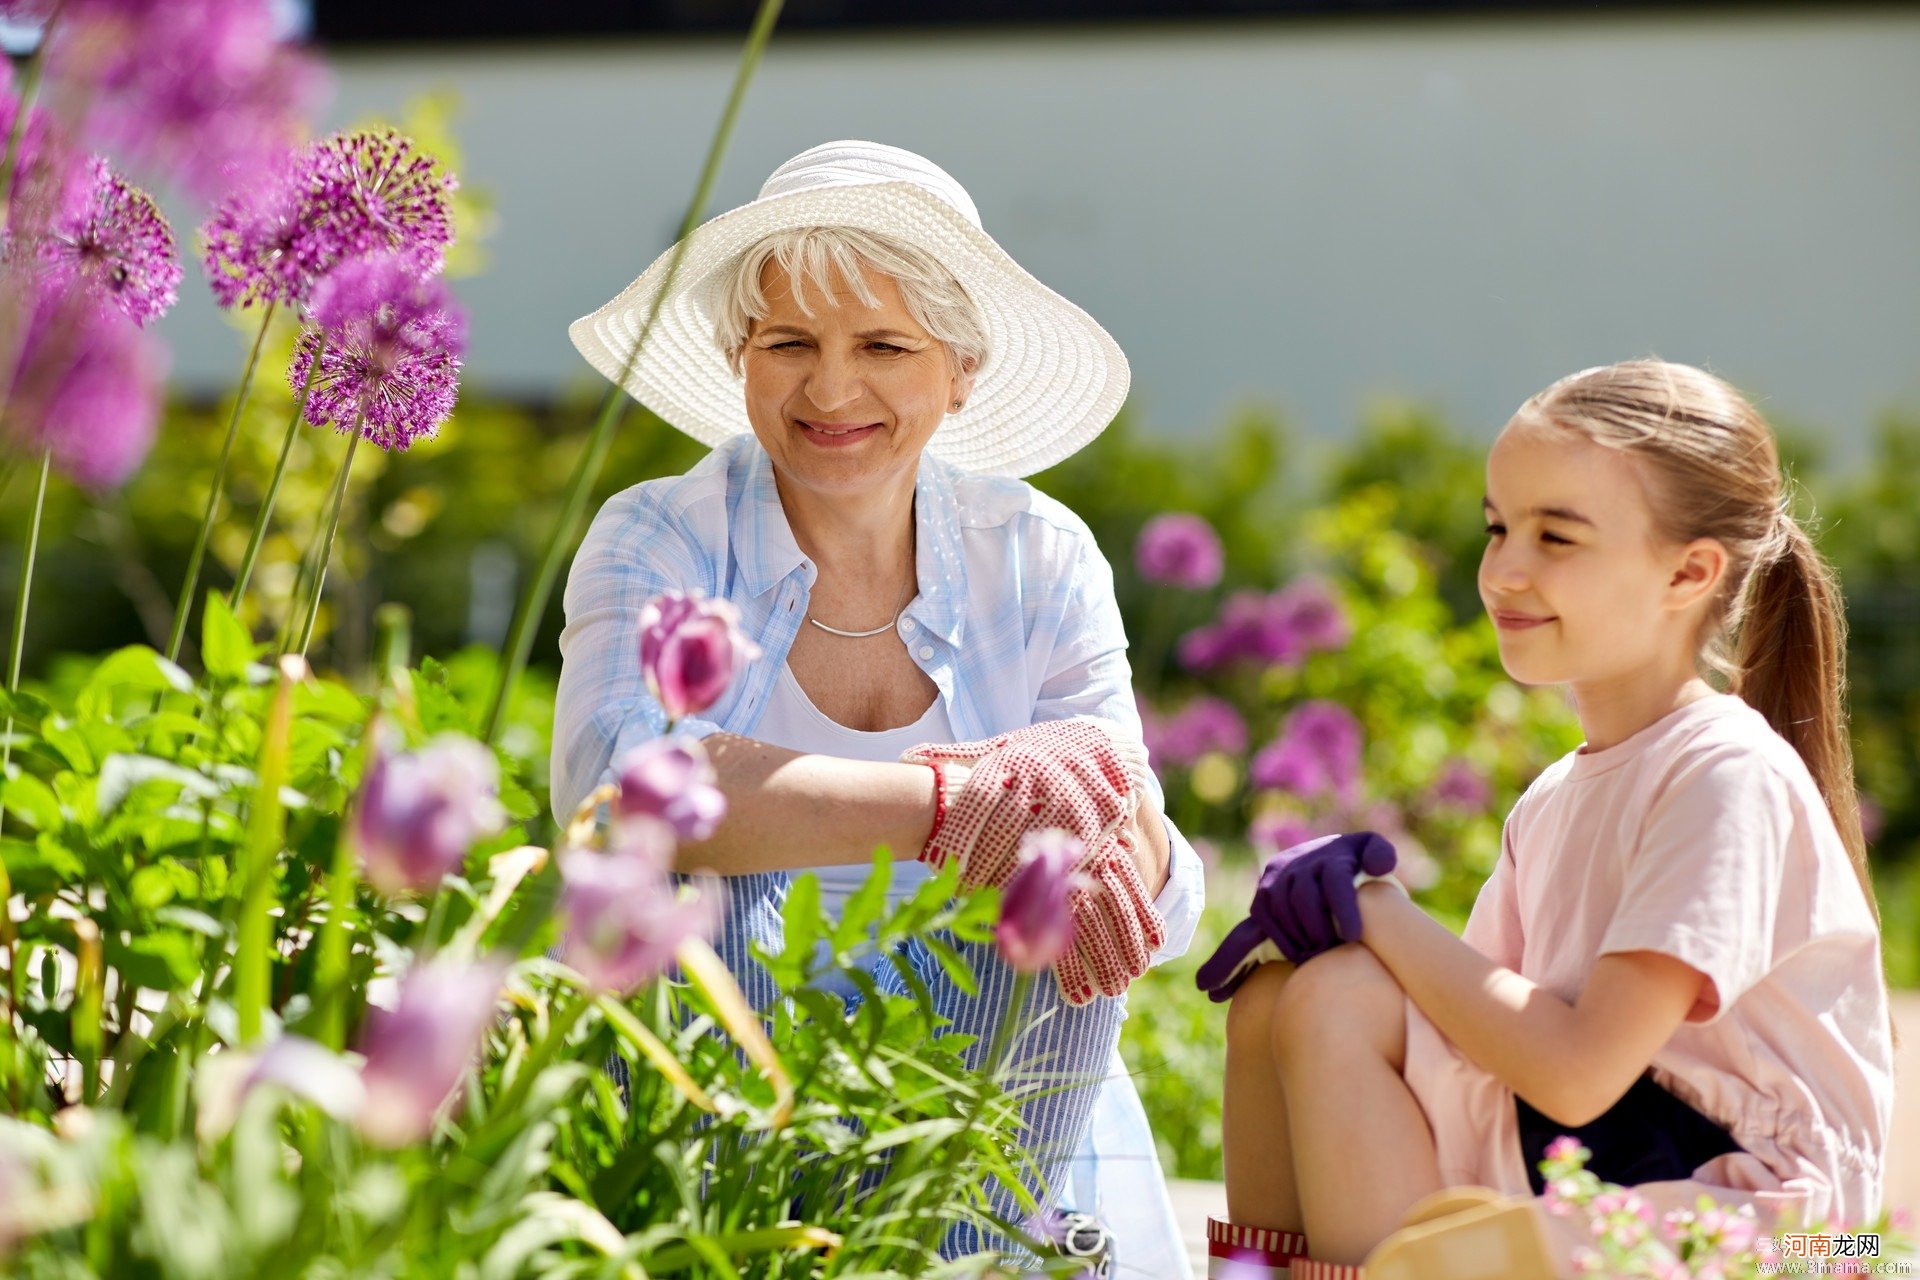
[{"x": 1015, "y": 622}]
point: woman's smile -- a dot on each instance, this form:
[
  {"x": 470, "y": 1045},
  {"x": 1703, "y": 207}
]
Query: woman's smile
[{"x": 836, "y": 435}]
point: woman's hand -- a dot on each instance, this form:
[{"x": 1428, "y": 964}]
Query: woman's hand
[{"x": 1145, "y": 838}]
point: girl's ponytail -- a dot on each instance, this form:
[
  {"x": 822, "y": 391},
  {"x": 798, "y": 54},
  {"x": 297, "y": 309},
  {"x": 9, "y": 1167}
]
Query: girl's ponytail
[{"x": 1791, "y": 666}]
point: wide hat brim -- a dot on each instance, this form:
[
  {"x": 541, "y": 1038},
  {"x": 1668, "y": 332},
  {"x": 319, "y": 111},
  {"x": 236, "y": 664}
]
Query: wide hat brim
[{"x": 1053, "y": 380}]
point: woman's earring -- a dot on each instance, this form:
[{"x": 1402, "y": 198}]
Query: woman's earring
[{"x": 956, "y": 406}]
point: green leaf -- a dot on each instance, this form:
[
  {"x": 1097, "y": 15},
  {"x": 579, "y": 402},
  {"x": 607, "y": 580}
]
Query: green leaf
[
  {"x": 33, "y": 800},
  {"x": 134, "y": 669},
  {"x": 802, "y": 918},
  {"x": 188, "y": 918},
  {"x": 60, "y": 733},
  {"x": 865, "y": 906},
  {"x": 162, "y": 961},
  {"x": 178, "y": 723},
  {"x": 226, "y": 647},
  {"x": 120, "y": 774},
  {"x": 151, "y": 887}
]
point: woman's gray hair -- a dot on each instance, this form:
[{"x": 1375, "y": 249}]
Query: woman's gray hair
[{"x": 813, "y": 257}]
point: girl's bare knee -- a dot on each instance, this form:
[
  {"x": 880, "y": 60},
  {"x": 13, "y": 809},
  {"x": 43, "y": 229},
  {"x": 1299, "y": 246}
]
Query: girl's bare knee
[
  {"x": 1250, "y": 1013},
  {"x": 1346, "y": 997}
]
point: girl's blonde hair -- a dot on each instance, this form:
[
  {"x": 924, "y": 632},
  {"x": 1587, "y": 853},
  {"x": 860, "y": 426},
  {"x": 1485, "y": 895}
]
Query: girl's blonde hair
[{"x": 1776, "y": 631}]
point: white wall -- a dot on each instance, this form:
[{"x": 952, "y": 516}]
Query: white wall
[{"x": 1297, "y": 213}]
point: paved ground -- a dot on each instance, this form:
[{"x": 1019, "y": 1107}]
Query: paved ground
[{"x": 1194, "y": 1201}]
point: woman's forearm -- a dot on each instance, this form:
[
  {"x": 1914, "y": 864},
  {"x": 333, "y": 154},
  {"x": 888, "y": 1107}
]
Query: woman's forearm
[{"x": 786, "y": 809}]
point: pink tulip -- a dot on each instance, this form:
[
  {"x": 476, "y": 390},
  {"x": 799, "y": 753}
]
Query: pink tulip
[
  {"x": 417, "y": 1051},
  {"x": 419, "y": 813},
  {"x": 691, "y": 648},
  {"x": 625, "y": 918},
  {"x": 1036, "y": 907},
  {"x": 671, "y": 779}
]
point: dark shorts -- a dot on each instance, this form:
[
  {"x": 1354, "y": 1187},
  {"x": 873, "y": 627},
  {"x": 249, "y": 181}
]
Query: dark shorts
[{"x": 1647, "y": 1136}]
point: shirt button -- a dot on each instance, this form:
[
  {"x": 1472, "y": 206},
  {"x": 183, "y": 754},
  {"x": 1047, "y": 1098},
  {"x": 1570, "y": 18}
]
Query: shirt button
[
  {"x": 906, "y": 624},
  {"x": 925, "y": 651}
]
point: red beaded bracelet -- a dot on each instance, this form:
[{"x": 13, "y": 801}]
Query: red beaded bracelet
[{"x": 929, "y": 854}]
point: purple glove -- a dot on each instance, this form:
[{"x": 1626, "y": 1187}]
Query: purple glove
[{"x": 1307, "y": 902}]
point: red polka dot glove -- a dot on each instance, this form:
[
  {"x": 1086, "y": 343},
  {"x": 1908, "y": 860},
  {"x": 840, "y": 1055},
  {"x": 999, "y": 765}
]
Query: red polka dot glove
[{"x": 1071, "y": 774}]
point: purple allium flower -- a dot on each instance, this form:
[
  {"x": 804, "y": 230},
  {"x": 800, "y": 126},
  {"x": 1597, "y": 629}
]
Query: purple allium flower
[
  {"x": 201, "y": 90},
  {"x": 1462, "y": 788},
  {"x": 1036, "y": 905},
  {"x": 1179, "y": 550},
  {"x": 671, "y": 779},
  {"x": 376, "y": 192},
  {"x": 691, "y": 648},
  {"x": 391, "y": 364},
  {"x": 1250, "y": 627},
  {"x": 110, "y": 237},
  {"x": 1203, "y": 725},
  {"x": 1332, "y": 733},
  {"x": 417, "y": 1050},
  {"x": 1317, "y": 752},
  {"x": 87, "y": 381},
  {"x": 419, "y": 813},
  {"x": 267, "y": 241},
  {"x": 1275, "y": 629},
  {"x": 1287, "y": 764},
  {"x": 625, "y": 918},
  {"x": 1314, "y": 618}
]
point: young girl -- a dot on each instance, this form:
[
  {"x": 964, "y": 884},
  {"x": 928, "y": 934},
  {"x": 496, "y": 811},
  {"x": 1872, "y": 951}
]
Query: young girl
[{"x": 1677, "y": 958}]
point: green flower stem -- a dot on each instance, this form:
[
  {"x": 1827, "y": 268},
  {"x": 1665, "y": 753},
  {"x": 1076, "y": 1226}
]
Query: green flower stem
[
  {"x": 586, "y": 472},
  {"x": 266, "y": 822},
  {"x": 333, "y": 950},
  {"x": 20, "y": 614},
  {"x": 324, "y": 552},
  {"x": 273, "y": 486},
  {"x": 187, "y": 588},
  {"x": 88, "y": 999}
]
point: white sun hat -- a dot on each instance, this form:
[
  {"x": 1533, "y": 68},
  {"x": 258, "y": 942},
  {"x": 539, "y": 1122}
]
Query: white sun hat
[{"x": 1053, "y": 379}]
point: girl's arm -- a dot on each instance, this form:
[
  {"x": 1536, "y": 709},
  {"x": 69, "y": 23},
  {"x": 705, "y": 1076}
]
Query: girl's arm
[{"x": 1569, "y": 1061}]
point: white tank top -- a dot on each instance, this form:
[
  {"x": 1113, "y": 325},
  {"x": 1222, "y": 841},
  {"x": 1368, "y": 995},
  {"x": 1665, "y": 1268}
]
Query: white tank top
[{"x": 792, "y": 721}]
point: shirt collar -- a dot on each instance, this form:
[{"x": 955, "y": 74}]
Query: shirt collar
[
  {"x": 765, "y": 550},
  {"x": 940, "y": 561},
  {"x": 763, "y": 544}
]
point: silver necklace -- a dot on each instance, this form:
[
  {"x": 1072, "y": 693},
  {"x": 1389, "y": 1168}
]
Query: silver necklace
[
  {"x": 861, "y": 635},
  {"x": 858, "y": 635}
]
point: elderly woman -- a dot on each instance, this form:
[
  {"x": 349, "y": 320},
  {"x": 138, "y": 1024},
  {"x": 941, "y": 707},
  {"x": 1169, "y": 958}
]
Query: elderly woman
[{"x": 873, "y": 370}]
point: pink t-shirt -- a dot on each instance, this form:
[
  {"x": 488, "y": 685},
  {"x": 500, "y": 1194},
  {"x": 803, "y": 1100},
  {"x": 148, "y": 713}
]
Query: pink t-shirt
[{"x": 1703, "y": 837}]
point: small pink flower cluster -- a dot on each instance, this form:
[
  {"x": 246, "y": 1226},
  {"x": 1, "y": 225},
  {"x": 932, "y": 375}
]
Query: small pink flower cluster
[{"x": 1631, "y": 1239}]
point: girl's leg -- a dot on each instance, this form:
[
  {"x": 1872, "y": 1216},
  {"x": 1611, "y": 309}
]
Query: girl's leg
[
  {"x": 1360, "y": 1141},
  {"x": 1056, "y": 1058},
  {"x": 1253, "y": 1120}
]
